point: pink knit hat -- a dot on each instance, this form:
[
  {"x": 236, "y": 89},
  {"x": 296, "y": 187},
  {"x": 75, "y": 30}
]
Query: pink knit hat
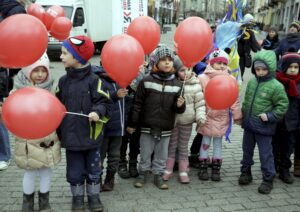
[{"x": 43, "y": 61}]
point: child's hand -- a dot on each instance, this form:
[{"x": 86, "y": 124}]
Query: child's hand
[
  {"x": 263, "y": 117},
  {"x": 180, "y": 101},
  {"x": 93, "y": 116},
  {"x": 130, "y": 130},
  {"x": 122, "y": 92}
]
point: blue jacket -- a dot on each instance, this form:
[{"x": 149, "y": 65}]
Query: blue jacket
[
  {"x": 81, "y": 91},
  {"x": 10, "y": 7},
  {"x": 116, "y": 124},
  {"x": 292, "y": 41}
]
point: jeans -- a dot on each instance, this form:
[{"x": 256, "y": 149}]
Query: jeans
[{"x": 5, "y": 154}]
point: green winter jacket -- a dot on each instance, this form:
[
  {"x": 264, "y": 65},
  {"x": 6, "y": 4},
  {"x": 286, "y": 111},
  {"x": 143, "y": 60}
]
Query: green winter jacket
[{"x": 264, "y": 95}]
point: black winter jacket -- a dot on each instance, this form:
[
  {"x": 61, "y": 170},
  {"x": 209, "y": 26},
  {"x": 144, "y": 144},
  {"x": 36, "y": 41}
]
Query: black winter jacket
[
  {"x": 81, "y": 91},
  {"x": 155, "y": 104}
]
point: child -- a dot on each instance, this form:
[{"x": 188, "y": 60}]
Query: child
[
  {"x": 81, "y": 91},
  {"x": 287, "y": 129},
  {"x": 217, "y": 121},
  {"x": 156, "y": 102},
  {"x": 113, "y": 130},
  {"x": 265, "y": 103},
  {"x": 195, "y": 111},
  {"x": 271, "y": 41},
  {"x": 39, "y": 155}
]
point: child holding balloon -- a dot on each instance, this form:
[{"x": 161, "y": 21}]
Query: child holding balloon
[
  {"x": 218, "y": 121},
  {"x": 264, "y": 105},
  {"x": 36, "y": 156},
  {"x": 194, "y": 112},
  {"x": 157, "y": 100},
  {"x": 81, "y": 91}
]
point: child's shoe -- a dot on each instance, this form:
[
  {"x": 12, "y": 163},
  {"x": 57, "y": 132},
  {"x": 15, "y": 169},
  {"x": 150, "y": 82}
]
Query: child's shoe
[
  {"x": 297, "y": 167},
  {"x": 109, "y": 181},
  {"x": 183, "y": 171},
  {"x": 28, "y": 202},
  {"x": 141, "y": 179},
  {"x": 159, "y": 182},
  {"x": 44, "y": 202},
  {"x": 122, "y": 170},
  {"x": 245, "y": 177},
  {"x": 203, "y": 173},
  {"x": 265, "y": 187},
  {"x": 133, "y": 172},
  {"x": 285, "y": 176},
  {"x": 169, "y": 169},
  {"x": 216, "y": 167},
  {"x": 78, "y": 197},
  {"x": 92, "y": 191}
]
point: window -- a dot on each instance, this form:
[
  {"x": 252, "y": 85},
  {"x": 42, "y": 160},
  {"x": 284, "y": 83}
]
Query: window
[{"x": 78, "y": 17}]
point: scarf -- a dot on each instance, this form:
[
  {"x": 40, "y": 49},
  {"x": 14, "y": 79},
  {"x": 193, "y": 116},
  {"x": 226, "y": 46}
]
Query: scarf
[{"x": 290, "y": 82}]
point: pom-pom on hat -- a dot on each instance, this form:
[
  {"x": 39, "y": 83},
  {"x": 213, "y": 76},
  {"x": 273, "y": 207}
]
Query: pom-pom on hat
[
  {"x": 288, "y": 59},
  {"x": 81, "y": 47},
  {"x": 218, "y": 55}
]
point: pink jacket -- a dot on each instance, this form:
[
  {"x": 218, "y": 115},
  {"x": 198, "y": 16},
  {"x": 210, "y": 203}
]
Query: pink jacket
[{"x": 217, "y": 121}]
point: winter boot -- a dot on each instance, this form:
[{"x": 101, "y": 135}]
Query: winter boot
[
  {"x": 215, "y": 170},
  {"x": 133, "y": 172},
  {"x": 109, "y": 181},
  {"x": 297, "y": 167},
  {"x": 203, "y": 174},
  {"x": 245, "y": 177},
  {"x": 123, "y": 171},
  {"x": 169, "y": 168},
  {"x": 78, "y": 197},
  {"x": 92, "y": 191},
  {"x": 141, "y": 179},
  {"x": 28, "y": 202},
  {"x": 159, "y": 182},
  {"x": 183, "y": 171},
  {"x": 266, "y": 186},
  {"x": 285, "y": 176},
  {"x": 44, "y": 202}
]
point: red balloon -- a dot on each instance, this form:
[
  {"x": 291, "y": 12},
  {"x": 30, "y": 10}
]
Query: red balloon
[
  {"x": 146, "y": 30},
  {"x": 37, "y": 11},
  {"x": 192, "y": 40},
  {"x": 122, "y": 56},
  {"x": 23, "y": 40},
  {"x": 52, "y": 13},
  {"x": 221, "y": 92},
  {"x": 32, "y": 113},
  {"x": 60, "y": 28}
]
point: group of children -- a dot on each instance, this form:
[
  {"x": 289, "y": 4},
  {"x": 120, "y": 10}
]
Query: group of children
[{"x": 166, "y": 103}]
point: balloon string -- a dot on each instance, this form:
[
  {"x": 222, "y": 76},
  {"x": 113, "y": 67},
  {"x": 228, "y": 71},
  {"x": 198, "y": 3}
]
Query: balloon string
[
  {"x": 81, "y": 114},
  {"x": 183, "y": 82}
]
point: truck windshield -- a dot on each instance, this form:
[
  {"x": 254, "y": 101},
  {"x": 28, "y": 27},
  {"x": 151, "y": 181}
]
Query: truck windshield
[{"x": 68, "y": 10}]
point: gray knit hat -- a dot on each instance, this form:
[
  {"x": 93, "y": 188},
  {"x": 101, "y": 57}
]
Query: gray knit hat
[
  {"x": 259, "y": 63},
  {"x": 160, "y": 52},
  {"x": 177, "y": 64}
]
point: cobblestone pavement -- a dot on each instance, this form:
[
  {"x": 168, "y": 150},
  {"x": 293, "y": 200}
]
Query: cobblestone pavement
[{"x": 226, "y": 195}]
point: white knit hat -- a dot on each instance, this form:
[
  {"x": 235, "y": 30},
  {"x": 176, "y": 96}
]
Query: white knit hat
[
  {"x": 43, "y": 61},
  {"x": 218, "y": 55}
]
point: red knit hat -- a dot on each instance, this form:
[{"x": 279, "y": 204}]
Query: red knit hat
[
  {"x": 289, "y": 58},
  {"x": 81, "y": 47},
  {"x": 218, "y": 55}
]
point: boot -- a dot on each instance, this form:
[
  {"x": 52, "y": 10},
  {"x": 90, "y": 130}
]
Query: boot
[
  {"x": 109, "y": 181},
  {"x": 28, "y": 202},
  {"x": 245, "y": 177},
  {"x": 203, "y": 174},
  {"x": 183, "y": 171},
  {"x": 265, "y": 187},
  {"x": 141, "y": 179},
  {"x": 297, "y": 167},
  {"x": 285, "y": 176},
  {"x": 159, "y": 182},
  {"x": 123, "y": 171},
  {"x": 215, "y": 171},
  {"x": 44, "y": 202},
  {"x": 78, "y": 197},
  {"x": 92, "y": 191},
  {"x": 169, "y": 169},
  {"x": 133, "y": 172}
]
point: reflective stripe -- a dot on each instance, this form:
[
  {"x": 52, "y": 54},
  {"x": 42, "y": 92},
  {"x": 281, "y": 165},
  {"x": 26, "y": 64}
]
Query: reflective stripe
[
  {"x": 101, "y": 91},
  {"x": 159, "y": 87}
]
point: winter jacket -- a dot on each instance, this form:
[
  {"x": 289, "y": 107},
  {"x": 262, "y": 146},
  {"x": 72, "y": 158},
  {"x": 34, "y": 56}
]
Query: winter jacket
[
  {"x": 247, "y": 42},
  {"x": 10, "y": 7},
  {"x": 37, "y": 153},
  {"x": 217, "y": 121},
  {"x": 115, "y": 125},
  {"x": 194, "y": 103},
  {"x": 264, "y": 95},
  {"x": 292, "y": 41},
  {"x": 81, "y": 91},
  {"x": 270, "y": 44},
  {"x": 155, "y": 104}
]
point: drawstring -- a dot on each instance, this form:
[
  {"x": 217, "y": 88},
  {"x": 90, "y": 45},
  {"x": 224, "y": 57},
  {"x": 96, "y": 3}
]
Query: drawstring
[{"x": 228, "y": 131}]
